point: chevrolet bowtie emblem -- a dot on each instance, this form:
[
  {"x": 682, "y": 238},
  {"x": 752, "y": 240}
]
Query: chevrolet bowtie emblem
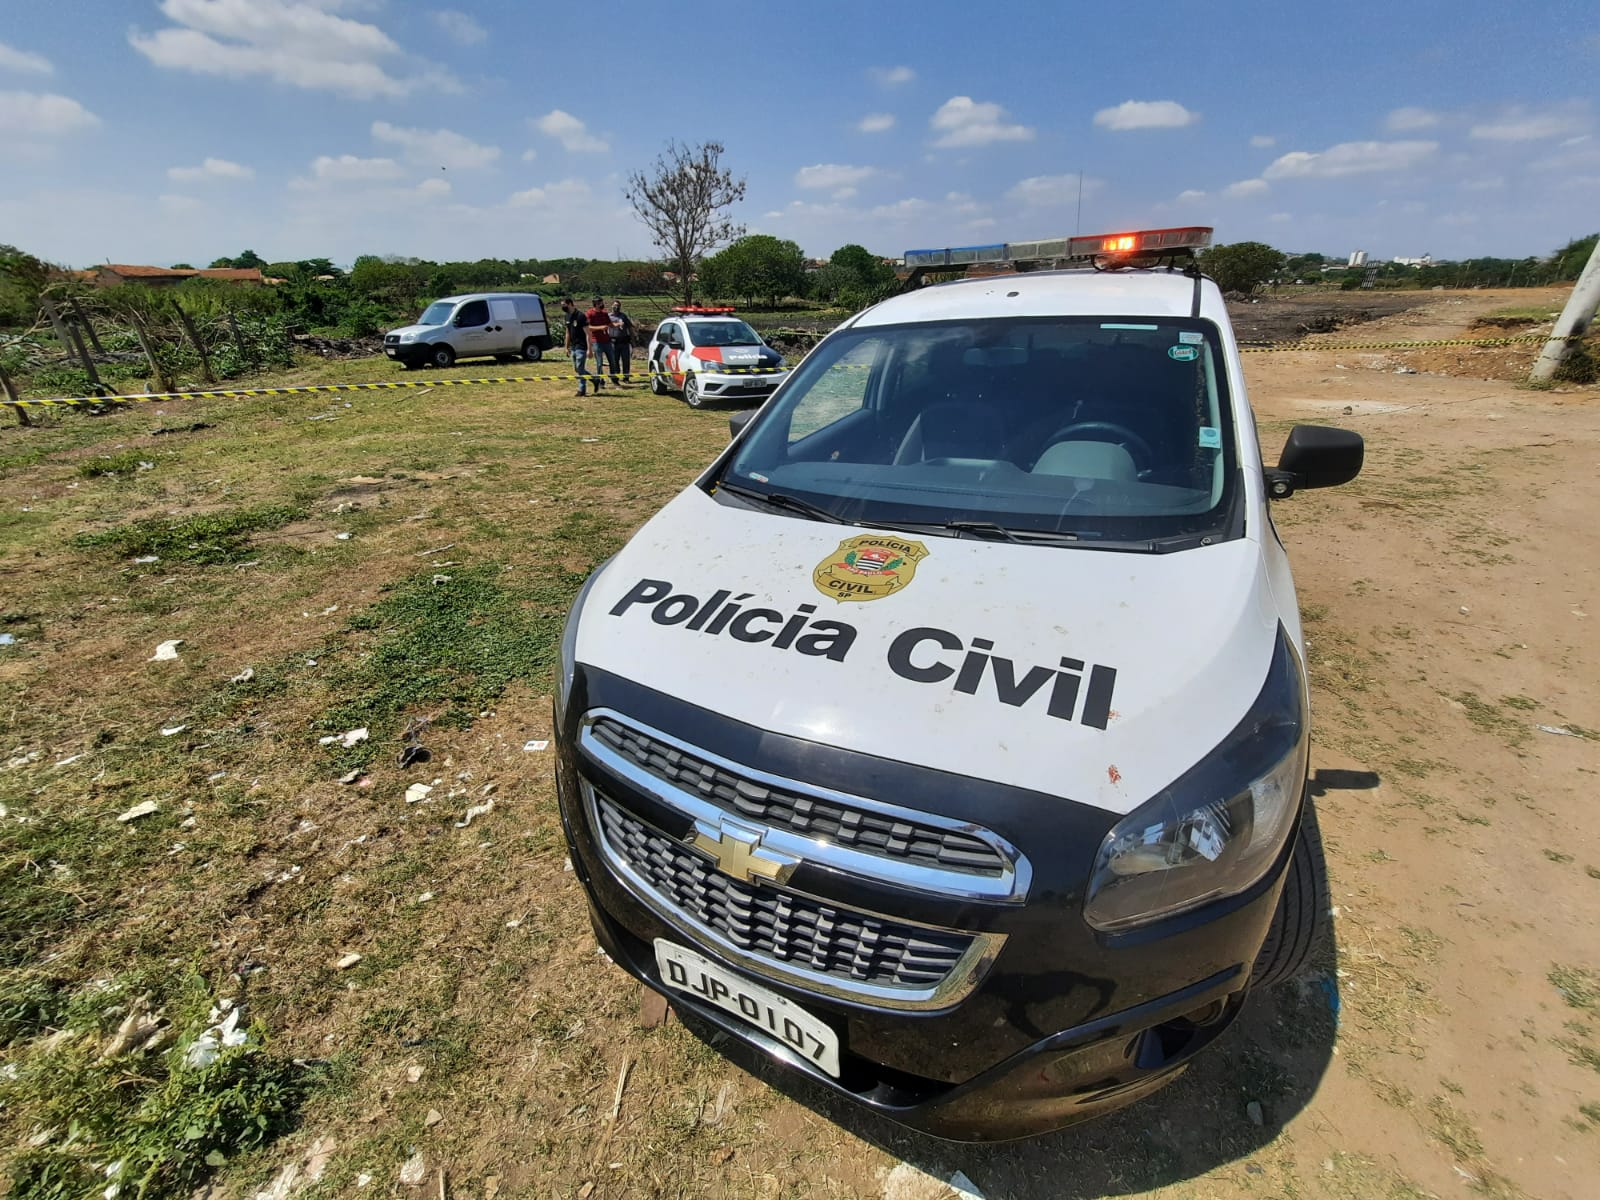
[{"x": 737, "y": 856}]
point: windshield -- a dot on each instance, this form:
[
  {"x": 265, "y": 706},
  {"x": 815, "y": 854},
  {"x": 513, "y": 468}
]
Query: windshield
[
  {"x": 1097, "y": 429},
  {"x": 723, "y": 333},
  {"x": 437, "y": 313}
]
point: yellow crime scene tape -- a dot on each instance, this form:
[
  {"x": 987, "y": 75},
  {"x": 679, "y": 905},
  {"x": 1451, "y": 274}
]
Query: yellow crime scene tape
[{"x": 644, "y": 376}]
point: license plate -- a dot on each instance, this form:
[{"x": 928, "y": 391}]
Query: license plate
[
  {"x": 687, "y": 972},
  {"x": 390, "y": 353}
]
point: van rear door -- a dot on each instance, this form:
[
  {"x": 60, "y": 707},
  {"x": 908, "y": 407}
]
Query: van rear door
[
  {"x": 505, "y": 327},
  {"x": 530, "y": 309}
]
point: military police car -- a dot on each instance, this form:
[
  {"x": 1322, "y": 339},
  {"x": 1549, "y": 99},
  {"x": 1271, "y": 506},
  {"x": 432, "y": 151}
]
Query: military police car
[
  {"x": 707, "y": 353},
  {"x": 947, "y": 739}
]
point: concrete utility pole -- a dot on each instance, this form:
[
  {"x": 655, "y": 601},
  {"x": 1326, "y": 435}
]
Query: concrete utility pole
[{"x": 1574, "y": 319}]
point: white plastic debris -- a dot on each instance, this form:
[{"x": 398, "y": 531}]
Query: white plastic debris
[
  {"x": 145, "y": 559},
  {"x": 224, "y": 1031},
  {"x": 144, "y": 809},
  {"x": 348, "y": 961},
  {"x": 438, "y": 579},
  {"x": 363, "y": 1179},
  {"x": 173, "y": 730},
  {"x": 244, "y": 676},
  {"x": 418, "y": 792},
  {"x": 477, "y": 810},
  {"x": 414, "y": 1171},
  {"x": 350, "y": 777},
  {"x": 347, "y": 739},
  {"x": 69, "y": 760},
  {"x": 166, "y": 651},
  {"x": 341, "y": 537},
  {"x": 425, "y": 897},
  {"x": 536, "y": 745},
  {"x": 1559, "y": 730},
  {"x": 8, "y": 639}
]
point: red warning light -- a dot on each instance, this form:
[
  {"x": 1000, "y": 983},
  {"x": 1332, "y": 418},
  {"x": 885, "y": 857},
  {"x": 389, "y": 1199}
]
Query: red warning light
[{"x": 1120, "y": 244}]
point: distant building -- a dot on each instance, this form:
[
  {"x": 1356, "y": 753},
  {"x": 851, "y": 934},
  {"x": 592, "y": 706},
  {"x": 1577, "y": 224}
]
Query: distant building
[
  {"x": 1358, "y": 258},
  {"x": 114, "y": 273},
  {"x": 1425, "y": 261}
]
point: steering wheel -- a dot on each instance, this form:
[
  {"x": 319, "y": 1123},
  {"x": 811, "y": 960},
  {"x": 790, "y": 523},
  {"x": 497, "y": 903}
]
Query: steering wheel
[{"x": 1104, "y": 431}]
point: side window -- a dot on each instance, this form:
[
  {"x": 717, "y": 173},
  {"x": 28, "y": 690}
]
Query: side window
[
  {"x": 473, "y": 312},
  {"x": 841, "y": 391},
  {"x": 669, "y": 335},
  {"x": 504, "y": 311}
]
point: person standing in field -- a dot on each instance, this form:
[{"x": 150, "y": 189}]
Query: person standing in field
[
  {"x": 622, "y": 340},
  {"x": 578, "y": 345},
  {"x": 600, "y": 347}
]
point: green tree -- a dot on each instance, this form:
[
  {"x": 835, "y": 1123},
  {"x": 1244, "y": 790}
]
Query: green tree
[
  {"x": 183, "y": 266},
  {"x": 866, "y": 269},
  {"x": 1241, "y": 266},
  {"x": 1569, "y": 261},
  {"x": 684, "y": 203},
  {"x": 759, "y": 265}
]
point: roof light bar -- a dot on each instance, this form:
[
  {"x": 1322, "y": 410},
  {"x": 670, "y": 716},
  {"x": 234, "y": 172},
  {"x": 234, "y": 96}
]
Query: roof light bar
[
  {"x": 1149, "y": 242},
  {"x": 703, "y": 310}
]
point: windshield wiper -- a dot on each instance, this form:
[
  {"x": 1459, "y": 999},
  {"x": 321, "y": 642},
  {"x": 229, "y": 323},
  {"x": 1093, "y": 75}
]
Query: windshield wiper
[
  {"x": 782, "y": 500},
  {"x": 1031, "y": 537}
]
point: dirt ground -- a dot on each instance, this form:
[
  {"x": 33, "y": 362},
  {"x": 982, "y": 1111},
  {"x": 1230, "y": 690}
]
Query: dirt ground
[{"x": 483, "y": 1049}]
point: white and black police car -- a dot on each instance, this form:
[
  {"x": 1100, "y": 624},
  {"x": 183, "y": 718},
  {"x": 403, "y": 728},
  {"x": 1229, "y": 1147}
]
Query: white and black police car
[
  {"x": 704, "y": 352},
  {"x": 947, "y": 739}
]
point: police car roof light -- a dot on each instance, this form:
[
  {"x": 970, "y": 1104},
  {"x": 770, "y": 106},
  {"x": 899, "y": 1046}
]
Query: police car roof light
[
  {"x": 1160, "y": 243},
  {"x": 703, "y": 310}
]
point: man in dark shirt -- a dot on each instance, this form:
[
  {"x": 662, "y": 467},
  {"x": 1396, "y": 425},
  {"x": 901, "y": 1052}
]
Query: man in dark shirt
[
  {"x": 622, "y": 340},
  {"x": 600, "y": 347},
  {"x": 578, "y": 345}
]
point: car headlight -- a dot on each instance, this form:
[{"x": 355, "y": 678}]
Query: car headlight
[
  {"x": 1218, "y": 828},
  {"x": 567, "y": 655},
  {"x": 408, "y": 337}
]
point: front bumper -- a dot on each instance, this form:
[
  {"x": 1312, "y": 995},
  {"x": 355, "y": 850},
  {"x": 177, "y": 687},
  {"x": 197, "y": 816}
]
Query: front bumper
[
  {"x": 408, "y": 352},
  {"x": 741, "y": 385},
  {"x": 1065, "y": 1024}
]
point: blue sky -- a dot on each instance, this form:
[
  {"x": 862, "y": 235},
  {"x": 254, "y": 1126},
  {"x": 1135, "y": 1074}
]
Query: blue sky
[{"x": 166, "y": 130}]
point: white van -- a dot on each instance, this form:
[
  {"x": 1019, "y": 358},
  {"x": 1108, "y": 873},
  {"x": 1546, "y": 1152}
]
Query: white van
[{"x": 501, "y": 325}]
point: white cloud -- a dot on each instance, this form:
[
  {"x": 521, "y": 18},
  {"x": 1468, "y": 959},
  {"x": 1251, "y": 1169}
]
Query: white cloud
[
  {"x": 561, "y": 193},
  {"x": 961, "y": 202},
  {"x": 892, "y": 76},
  {"x": 981, "y": 223},
  {"x": 1263, "y": 141},
  {"x": 173, "y": 205},
  {"x": 348, "y": 168},
  {"x": 460, "y": 28},
  {"x": 1410, "y": 118},
  {"x": 961, "y": 121},
  {"x": 529, "y": 154},
  {"x": 434, "y": 187},
  {"x": 1522, "y": 125},
  {"x": 211, "y": 169},
  {"x": 1245, "y": 187},
  {"x": 1146, "y": 114},
  {"x": 1350, "y": 158},
  {"x": 875, "y": 123},
  {"x": 571, "y": 132},
  {"x": 1189, "y": 194},
  {"x": 436, "y": 147},
  {"x": 846, "y": 193},
  {"x": 35, "y": 115},
  {"x": 899, "y": 210},
  {"x": 1279, "y": 218},
  {"x": 289, "y": 41},
  {"x": 832, "y": 175},
  {"x": 25, "y": 61},
  {"x": 1041, "y": 191}
]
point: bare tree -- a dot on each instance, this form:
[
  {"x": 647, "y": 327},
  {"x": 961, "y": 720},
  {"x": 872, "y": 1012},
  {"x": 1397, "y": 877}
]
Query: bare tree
[{"x": 683, "y": 201}]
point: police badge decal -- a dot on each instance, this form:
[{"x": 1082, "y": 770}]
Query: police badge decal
[{"x": 868, "y": 567}]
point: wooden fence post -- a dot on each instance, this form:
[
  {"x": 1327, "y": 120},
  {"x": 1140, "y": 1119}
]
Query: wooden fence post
[
  {"x": 88, "y": 325},
  {"x": 238, "y": 340},
  {"x": 13, "y": 399},
  {"x": 194, "y": 336},
  {"x": 57, "y": 324},
  {"x": 95, "y": 385},
  {"x": 145, "y": 344}
]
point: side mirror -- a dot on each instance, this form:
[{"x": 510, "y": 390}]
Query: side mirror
[
  {"x": 737, "y": 421},
  {"x": 1316, "y": 456}
]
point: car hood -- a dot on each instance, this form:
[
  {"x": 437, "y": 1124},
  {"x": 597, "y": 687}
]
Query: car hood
[
  {"x": 1095, "y": 675},
  {"x": 413, "y": 329}
]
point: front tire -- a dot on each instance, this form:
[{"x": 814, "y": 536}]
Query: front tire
[
  {"x": 1301, "y": 919},
  {"x": 658, "y": 383},
  {"x": 691, "y": 391},
  {"x": 442, "y": 356},
  {"x": 532, "y": 351}
]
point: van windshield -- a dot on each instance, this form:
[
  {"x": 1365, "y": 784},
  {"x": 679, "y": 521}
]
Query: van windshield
[
  {"x": 1065, "y": 429},
  {"x": 437, "y": 313}
]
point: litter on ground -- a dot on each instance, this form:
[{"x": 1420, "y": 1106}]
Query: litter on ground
[
  {"x": 244, "y": 676},
  {"x": 166, "y": 651},
  {"x": 536, "y": 745},
  {"x": 417, "y": 793},
  {"x": 477, "y": 810},
  {"x": 347, "y": 739},
  {"x": 143, "y": 809},
  {"x": 223, "y": 1032}
]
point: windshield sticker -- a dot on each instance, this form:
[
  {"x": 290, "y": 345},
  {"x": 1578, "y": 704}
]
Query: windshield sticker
[
  {"x": 868, "y": 567},
  {"x": 1190, "y": 338},
  {"x": 1069, "y": 689},
  {"x": 1182, "y": 353},
  {"x": 1210, "y": 438},
  {"x": 1144, "y": 328},
  {"x": 760, "y": 478}
]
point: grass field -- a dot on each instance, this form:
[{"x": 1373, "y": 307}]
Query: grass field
[{"x": 394, "y": 560}]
